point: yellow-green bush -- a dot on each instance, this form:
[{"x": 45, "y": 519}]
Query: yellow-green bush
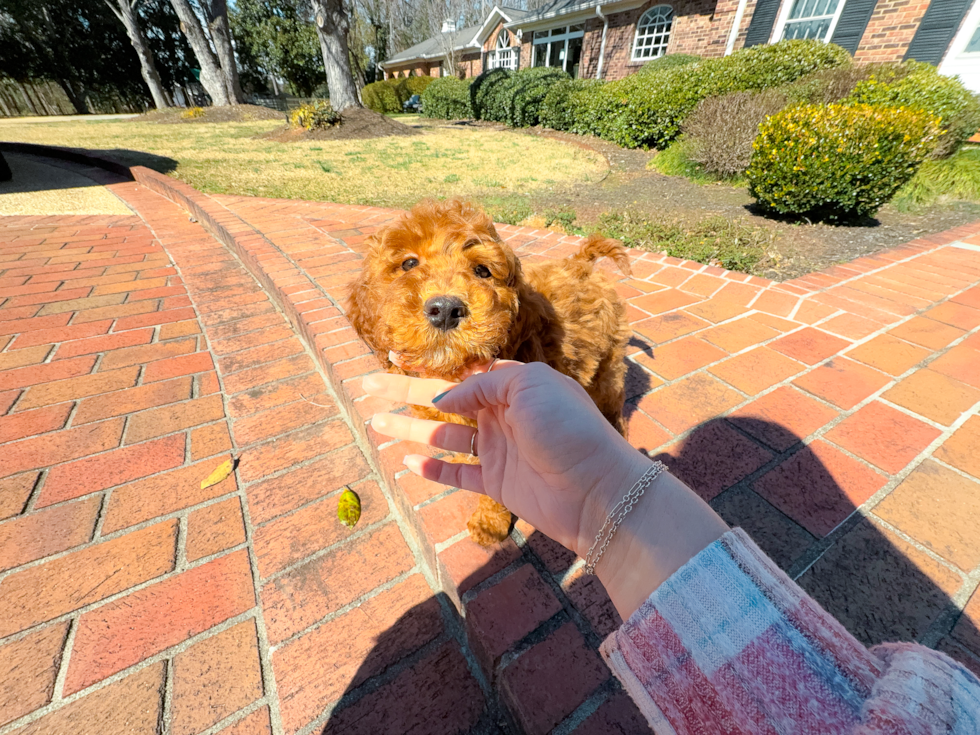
[
  {"x": 381, "y": 97},
  {"x": 316, "y": 115},
  {"x": 838, "y": 161},
  {"x": 389, "y": 96},
  {"x": 926, "y": 89},
  {"x": 192, "y": 113}
]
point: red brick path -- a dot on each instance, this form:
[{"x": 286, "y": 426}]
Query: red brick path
[{"x": 834, "y": 417}]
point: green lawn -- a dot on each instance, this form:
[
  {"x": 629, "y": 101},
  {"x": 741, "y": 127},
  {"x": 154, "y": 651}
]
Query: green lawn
[{"x": 229, "y": 158}]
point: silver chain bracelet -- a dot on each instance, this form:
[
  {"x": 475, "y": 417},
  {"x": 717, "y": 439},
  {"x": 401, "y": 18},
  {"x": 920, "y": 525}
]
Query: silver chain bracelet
[{"x": 619, "y": 513}]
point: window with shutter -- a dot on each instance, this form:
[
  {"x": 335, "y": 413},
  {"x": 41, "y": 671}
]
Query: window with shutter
[
  {"x": 938, "y": 26},
  {"x": 853, "y": 22},
  {"x": 763, "y": 20}
]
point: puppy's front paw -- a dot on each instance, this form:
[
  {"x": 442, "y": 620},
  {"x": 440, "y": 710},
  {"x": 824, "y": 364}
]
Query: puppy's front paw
[{"x": 490, "y": 522}]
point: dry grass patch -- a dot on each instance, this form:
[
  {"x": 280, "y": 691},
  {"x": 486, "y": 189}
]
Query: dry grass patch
[{"x": 229, "y": 158}]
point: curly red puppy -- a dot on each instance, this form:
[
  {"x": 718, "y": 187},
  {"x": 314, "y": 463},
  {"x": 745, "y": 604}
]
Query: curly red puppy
[{"x": 442, "y": 289}]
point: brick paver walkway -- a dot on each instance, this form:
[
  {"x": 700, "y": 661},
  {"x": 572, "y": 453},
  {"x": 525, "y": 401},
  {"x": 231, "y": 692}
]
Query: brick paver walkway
[{"x": 834, "y": 417}]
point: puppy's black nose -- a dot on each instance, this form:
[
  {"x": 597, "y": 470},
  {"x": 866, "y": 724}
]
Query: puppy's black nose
[{"x": 445, "y": 312}]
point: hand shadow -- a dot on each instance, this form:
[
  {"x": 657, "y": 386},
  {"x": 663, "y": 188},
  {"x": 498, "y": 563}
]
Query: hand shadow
[{"x": 757, "y": 475}]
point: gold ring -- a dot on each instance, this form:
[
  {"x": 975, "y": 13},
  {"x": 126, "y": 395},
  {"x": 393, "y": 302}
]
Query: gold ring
[{"x": 473, "y": 445}]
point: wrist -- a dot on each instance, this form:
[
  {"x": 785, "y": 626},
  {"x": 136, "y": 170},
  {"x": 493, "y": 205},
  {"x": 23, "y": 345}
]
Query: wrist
[
  {"x": 667, "y": 527},
  {"x": 601, "y": 500}
]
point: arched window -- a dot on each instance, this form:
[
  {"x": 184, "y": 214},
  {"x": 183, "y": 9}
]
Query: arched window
[
  {"x": 653, "y": 33},
  {"x": 503, "y": 56}
]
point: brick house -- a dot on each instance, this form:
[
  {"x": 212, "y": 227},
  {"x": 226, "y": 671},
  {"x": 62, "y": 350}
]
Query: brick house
[{"x": 609, "y": 40}]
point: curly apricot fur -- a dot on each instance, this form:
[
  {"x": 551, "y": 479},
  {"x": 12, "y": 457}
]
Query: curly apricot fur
[{"x": 561, "y": 312}]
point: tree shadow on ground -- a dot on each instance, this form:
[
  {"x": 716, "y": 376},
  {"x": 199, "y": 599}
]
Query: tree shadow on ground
[
  {"x": 757, "y": 475},
  {"x": 32, "y": 171}
]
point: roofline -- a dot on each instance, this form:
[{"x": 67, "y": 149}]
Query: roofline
[
  {"x": 496, "y": 9},
  {"x": 427, "y": 57},
  {"x": 583, "y": 12}
]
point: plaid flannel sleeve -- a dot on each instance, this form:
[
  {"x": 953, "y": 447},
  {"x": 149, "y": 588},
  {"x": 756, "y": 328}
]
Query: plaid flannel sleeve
[{"x": 729, "y": 644}]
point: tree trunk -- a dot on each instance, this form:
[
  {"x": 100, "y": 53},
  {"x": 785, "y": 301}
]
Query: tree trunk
[
  {"x": 77, "y": 100},
  {"x": 221, "y": 35},
  {"x": 332, "y": 24},
  {"x": 147, "y": 67},
  {"x": 212, "y": 77}
]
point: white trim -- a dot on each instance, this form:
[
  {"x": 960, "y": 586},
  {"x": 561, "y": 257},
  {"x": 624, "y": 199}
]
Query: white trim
[
  {"x": 483, "y": 33},
  {"x": 579, "y": 14},
  {"x": 784, "y": 11},
  {"x": 602, "y": 46},
  {"x": 956, "y": 61},
  {"x": 733, "y": 34},
  {"x": 966, "y": 30}
]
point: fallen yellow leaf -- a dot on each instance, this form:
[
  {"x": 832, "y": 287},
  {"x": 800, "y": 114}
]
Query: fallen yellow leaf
[
  {"x": 220, "y": 473},
  {"x": 349, "y": 508}
]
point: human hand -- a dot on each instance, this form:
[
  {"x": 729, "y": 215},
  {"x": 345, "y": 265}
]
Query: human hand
[{"x": 546, "y": 453}]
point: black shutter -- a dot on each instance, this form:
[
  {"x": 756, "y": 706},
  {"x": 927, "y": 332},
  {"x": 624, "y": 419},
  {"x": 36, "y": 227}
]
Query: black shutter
[
  {"x": 936, "y": 31},
  {"x": 852, "y": 23},
  {"x": 519, "y": 49},
  {"x": 763, "y": 19}
]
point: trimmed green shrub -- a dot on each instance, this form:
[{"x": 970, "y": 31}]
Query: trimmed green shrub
[
  {"x": 527, "y": 90},
  {"x": 827, "y": 86},
  {"x": 557, "y": 111},
  {"x": 489, "y": 93},
  {"x": 721, "y": 130},
  {"x": 665, "y": 62},
  {"x": 772, "y": 65},
  {"x": 381, "y": 97},
  {"x": 447, "y": 98},
  {"x": 316, "y": 115},
  {"x": 838, "y": 161},
  {"x": 588, "y": 108},
  {"x": 647, "y": 110},
  {"x": 924, "y": 88}
]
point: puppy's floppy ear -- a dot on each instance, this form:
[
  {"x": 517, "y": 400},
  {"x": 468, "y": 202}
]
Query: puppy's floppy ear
[
  {"x": 362, "y": 305},
  {"x": 514, "y": 266}
]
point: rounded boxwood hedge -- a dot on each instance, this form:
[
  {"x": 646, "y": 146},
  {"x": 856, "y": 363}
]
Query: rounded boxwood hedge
[
  {"x": 558, "y": 108},
  {"x": 489, "y": 93},
  {"x": 447, "y": 98},
  {"x": 924, "y": 88},
  {"x": 526, "y": 92},
  {"x": 647, "y": 110},
  {"x": 667, "y": 61},
  {"x": 838, "y": 161}
]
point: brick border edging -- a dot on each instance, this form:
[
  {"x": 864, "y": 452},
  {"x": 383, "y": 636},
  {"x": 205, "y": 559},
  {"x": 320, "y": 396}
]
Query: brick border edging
[{"x": 296, "y": 294}]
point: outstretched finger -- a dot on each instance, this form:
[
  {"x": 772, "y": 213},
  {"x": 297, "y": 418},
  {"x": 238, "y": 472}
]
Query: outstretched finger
[
  {"x": 465, "y": 476},
  {"x": 452, "y": 437},
  {"x": 404, "y": 389}
]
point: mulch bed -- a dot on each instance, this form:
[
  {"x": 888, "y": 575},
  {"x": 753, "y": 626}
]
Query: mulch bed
[
  {"x": 355, "y": 123},
  {"x": 229, "y": 113}
]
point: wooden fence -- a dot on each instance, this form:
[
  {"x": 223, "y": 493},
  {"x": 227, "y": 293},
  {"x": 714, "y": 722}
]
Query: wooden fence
[{"x": 43, "y": 97}]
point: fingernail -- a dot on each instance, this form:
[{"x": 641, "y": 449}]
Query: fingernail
[{"x": 440, "y": 397}]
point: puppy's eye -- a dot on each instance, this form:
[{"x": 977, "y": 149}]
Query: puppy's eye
[
  {"x": 482, "y": 271},
  {"x": 409, "y": 264}
]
